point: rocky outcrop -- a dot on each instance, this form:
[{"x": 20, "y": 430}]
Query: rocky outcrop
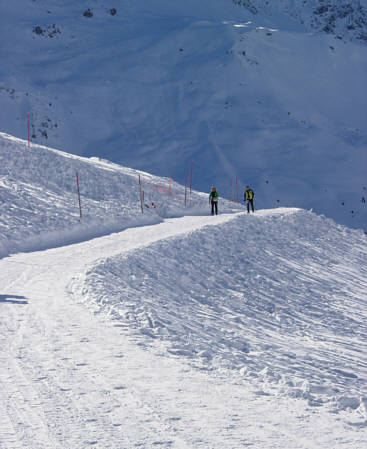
[{"x": 344, "y": 19}]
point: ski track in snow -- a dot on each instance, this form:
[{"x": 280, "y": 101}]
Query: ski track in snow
[{"x": 71, "y": 379}]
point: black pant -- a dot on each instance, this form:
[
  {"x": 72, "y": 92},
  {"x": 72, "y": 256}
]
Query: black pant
[
  {"x": 215, "y": 206},
  {"x": 248, "y": 205}
]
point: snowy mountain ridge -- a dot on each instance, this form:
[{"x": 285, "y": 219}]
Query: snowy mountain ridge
[{"x": 345, "y": 19}]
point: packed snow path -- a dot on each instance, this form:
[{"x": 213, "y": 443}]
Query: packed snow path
[{"x": 69, "y": 379}]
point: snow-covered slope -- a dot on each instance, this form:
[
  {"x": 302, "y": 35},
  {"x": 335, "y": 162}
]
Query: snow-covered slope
[
  {"x": 191, "y": 332},
  {"x": 155, "y": 84},
  {"x": 279, "y": 297},
  {"x": 39, "y": 199},
  {"x": 204, "y": 332}
]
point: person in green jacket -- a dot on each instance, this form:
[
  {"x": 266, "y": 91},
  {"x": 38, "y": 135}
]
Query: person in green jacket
[
  {"x": 213, "y": 200},
  {"x": 249, "y": 198}
]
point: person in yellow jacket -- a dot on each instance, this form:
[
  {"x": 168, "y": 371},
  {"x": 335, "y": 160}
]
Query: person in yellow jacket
[{"x": 249, "y": 198}]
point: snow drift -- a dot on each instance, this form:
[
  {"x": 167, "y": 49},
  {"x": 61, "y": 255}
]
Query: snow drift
[{"x": 278, "y": 297}]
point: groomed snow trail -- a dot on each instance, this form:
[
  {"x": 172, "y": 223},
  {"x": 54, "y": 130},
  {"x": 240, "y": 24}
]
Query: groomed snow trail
[{"x": 69, "y": 379}]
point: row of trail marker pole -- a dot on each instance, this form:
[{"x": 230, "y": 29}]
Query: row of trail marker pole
[
  {"x": 141, "y": 191},
  {"x": 140, "y": 186}
]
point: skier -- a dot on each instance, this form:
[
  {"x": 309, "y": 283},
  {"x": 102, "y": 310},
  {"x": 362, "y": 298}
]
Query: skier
[
  {"x": 213, "y": 200},
  {"x": 249, "y": 198}
]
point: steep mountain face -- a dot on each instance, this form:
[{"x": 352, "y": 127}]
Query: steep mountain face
[
  {"x": 250, "y": 90},
  {"x": 346, "y": 19}
]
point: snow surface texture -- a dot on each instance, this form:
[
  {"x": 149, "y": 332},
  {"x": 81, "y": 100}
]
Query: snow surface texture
[
  {"x": 39, "y": 200},
  {"x": 153, "y": 84},
  {"x": 279, "y": 297},
  {"x": 192, "y": 332},
  {"x": 74, "y": 379}
]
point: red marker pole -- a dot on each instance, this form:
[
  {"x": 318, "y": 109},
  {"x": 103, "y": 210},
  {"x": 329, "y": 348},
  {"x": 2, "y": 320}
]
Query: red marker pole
[
  {"x": 29, "y": 132},
  {"x": 80, "y": 204},
  {"x": 185, "y": 189},
  {"x": 236, "y": 189},
  {"x": 141, "y": 196},
  {"x": 191, "y": 169}
]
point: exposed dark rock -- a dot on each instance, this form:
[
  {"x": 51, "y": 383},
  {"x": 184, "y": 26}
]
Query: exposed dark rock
[
  {"x": 38, "y": 30},
  {"x": 321, "y": 10},
  {"x": 247, "y": 4},
  {"x": 49, "y": 31},
  {"x": 88, "y": 13}
]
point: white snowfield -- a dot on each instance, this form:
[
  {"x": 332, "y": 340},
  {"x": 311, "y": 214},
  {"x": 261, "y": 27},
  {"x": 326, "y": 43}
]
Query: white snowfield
[
  {"x": 226, "y": 332},
  {"x": 249, "y": 332}
]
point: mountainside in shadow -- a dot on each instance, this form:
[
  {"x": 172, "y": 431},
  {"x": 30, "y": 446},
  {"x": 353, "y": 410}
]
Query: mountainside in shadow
[{"x": 270, "y": 94}]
